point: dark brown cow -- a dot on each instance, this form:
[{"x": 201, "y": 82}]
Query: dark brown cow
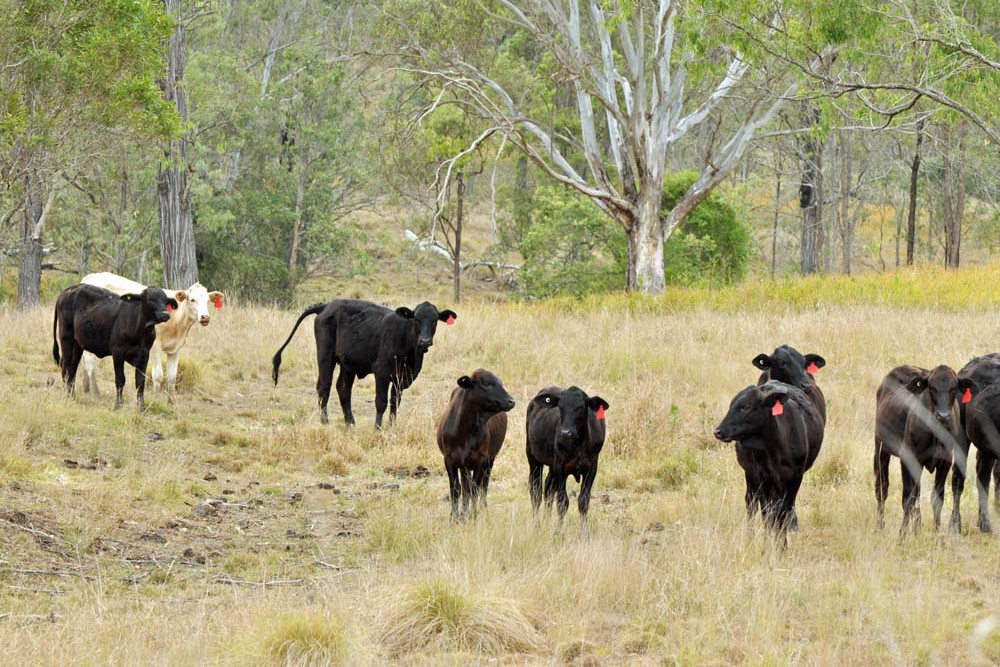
[
  {"x": 566, "y": 431},
  {"x": 96, "y": 320},
  {"x": 470, "y": 434},
  {"x": 917, "y": 419},
  {"x": 985, "y": 372}
]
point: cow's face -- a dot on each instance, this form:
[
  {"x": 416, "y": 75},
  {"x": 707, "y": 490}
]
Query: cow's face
[
  {"x": 942, "y": 388},
  {"x": 486, "y": 390},
  {"x": 154, "y": 305},
  {"x": 748, "y": 413},
  {"x": 200, "y": 303},
  {"x": 575, "y": 408},
  {"x": 425, "y": 318},
  {"x": 788, "y": 365}
]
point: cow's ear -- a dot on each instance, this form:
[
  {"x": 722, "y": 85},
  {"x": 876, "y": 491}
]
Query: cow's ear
[
  {"x": 762, "y": 361},
  {"x": 404, "y": 312},
  {"x": 131, "y": 297},
  {"x": 967, "y": 388},
  {"x": 448, "y": 316},
  {"x": 815, "y": 359},
  {"x": 180, "y": 295},
  {"x": 215, "y": 297},
  {"x": 917, "y": 385},
  {"x": 173, "y": 303},
  {"x": 596, "y": 403},
  {"x": 465, "y": 382}
]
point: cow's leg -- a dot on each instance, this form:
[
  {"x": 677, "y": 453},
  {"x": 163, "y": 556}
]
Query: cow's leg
[
  {"x": 996, "y": 485},
  {"x": 477, "y": 490},
  {"x": 583, "y": 500},
  {"x": 484, "y": 481},
  {"x": 959, "y": 472},
  {"x": 562, "y": 500},
  {"x": 381, "y": 399},
  {"x": 454, "y": 488},
  {"x": 882, "y": 459},
  {"x": 140, "y": 381},
  {"x": 937, "y": 492},
  {"x": 119, "y": 362},
  {"x": 535, "y": 483},
  {"x": 985, "y": 464},
  {"x": 90, "y": 373},
  {"x": 752, "y": 496},
  {"x": 173, "y": 361},
  {"x": 549, "y": 491},
  {"x": 72, "y": 357},
  {"x": 911, "y": 496},
  {"x": 324, "y": 381},
  {"x": 787, "y": 519},
  {"x": 465, "y": 476},
  {"x": 345, "y": 385}
]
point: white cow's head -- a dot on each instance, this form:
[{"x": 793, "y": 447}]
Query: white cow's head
[{"x": 198, "y": 301}]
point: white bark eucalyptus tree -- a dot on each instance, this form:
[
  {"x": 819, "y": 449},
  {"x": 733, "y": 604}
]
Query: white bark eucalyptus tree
[{"x": 642, "y": 75}]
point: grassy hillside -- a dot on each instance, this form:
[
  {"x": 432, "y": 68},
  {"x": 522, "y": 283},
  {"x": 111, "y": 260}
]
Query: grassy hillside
[{"x": 231, "y": 528}]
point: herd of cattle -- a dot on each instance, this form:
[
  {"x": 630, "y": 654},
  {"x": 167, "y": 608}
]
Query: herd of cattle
[{"x": 926, "y": 418}]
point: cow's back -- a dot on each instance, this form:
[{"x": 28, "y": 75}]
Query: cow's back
[{"x": 356, "y": 327}]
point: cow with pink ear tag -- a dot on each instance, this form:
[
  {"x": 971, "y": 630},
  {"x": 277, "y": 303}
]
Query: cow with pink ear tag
[
  {"x": 778, "y": 434},
  {"x": 195, "y": 306},
  {"x": 788, "y": 365}
]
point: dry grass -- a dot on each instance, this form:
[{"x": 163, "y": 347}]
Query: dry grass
[{"x": 248, "y": 534}]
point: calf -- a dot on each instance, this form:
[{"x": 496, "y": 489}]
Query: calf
[
  {"x": 470, "y": 434},
  {"x": 788, "y": 365},
  {"x": 364, "y": 338},
  {"x": 95, "y": 320},
  {"x": 917, "y": 419},
  {"x": 170, "y": 335},
  {"x": 779, "y": 433},
  {"x": 985, "y": 372},
  {"x": 566, "y": 431}
]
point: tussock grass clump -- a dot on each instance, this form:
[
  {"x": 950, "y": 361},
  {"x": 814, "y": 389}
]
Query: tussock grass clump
[
  {"x": 439, "y": 613},
  {"x": 301, "y": 638}
]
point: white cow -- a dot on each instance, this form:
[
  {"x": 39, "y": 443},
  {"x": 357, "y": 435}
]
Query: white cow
[{"x": 170, "y": 335}]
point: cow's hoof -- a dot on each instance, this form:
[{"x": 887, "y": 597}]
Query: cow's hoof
[{"x": 985, "y": 526}]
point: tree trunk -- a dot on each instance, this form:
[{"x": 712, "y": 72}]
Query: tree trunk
[
  {"x": 177, "y": 248},
  {"x": 645, "y": 240},
  {"x": 300, "y": 195},
  {"x": 774, "y": 232},
  {"x": 911, "y": 215},
  {"x": 29, "y": 275},
  {"x": 457, "y": 267},
  {"x": 846, "y": 219},
  {"x": 810, "y": 200},
  {"x": 953, "y": 201}
]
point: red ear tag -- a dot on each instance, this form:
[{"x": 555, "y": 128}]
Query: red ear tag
[
  {"x": 812, "y": 368},
  {"x": 967, "y": 396},
  {"x": 600, "y": 412},
  {"x": 170, "y": 308},
  {"x": 451, "y": 319},
  {"x": 778, "y": 409},
  {"x": 218, "y": 304}
]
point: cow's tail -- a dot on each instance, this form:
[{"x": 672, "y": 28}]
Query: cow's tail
[
  {"x": 276, "y": 361},
  {"x": 55, "y": 336}
]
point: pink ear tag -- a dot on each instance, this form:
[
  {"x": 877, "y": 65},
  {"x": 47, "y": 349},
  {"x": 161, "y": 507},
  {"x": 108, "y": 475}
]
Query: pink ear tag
[
  {"x": 778, "y": 409},
  {"x": 600, "y": 412},
  {"x": 967, "y": 396},
  {"x": 218, "y": 304},
  {"x": 170, "y": 308},
  {"x": 451, "y": 320},
  {"x": 812, "y": 368}
]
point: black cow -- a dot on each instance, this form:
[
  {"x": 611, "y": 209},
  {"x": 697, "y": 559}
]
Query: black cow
[
  {"x": 788, "y": 365},
  {"x": 985, "y": 372},
  {"x": 566, "y": 431},
  {"x": 917, "y": 419},
  {"x": 96, "y": 320},
  {"x": 470, "y": 434},
  {"x": 779, "y": 433},
  {"x": 364, "y": 338}
]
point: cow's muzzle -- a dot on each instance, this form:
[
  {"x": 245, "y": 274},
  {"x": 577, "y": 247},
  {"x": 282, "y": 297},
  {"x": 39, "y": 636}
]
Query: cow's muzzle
[
  {"x": 719, "y": 435},
  {"x": 204, "y": 320},
  {"x": 424, "y": 343},
  {"x": 943, "y": 417}
]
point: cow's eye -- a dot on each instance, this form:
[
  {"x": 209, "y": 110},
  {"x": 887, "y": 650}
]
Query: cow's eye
[
  {"x": 745, "y": 408},
  {"x": 548, "y": 400}
]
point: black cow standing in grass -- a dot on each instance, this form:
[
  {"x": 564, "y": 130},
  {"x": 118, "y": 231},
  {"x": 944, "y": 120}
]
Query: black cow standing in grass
[
  {"x": 985, "y": 372},
  {"x": 470, "y": 434},
  {"x": 788, "y": 365},
  {"x": 566, "y": 431},
  {"x": 96, "y": 320},
  {"x": 917, "y": 419},
  {"x": 779, "y": 432},
  {"x": 364, "y": 338}
]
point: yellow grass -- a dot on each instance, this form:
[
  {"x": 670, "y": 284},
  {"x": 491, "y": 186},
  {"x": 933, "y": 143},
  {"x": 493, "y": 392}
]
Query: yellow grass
[{"x": 216, "y": 544}]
